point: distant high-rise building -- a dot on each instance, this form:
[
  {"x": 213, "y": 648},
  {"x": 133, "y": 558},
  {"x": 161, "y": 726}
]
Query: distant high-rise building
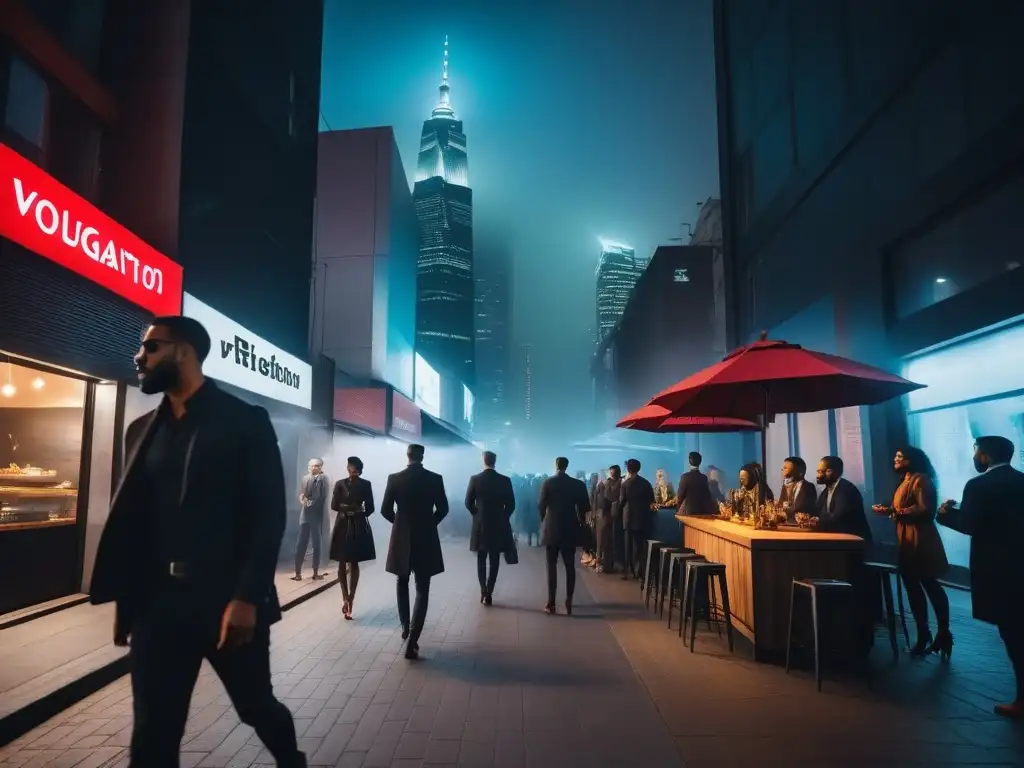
[
  {"x": 616, "y": 275},
  {"x": 493, "y": 328},
  {"x": 444, "y": 208}
]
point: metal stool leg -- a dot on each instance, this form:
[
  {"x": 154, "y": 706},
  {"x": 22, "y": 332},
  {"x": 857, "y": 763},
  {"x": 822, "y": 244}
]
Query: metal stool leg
[
  {"x": 789, "y": 636},
  {"x": 817, "y": 639},
  {"x": 890, "y": 613},
  {"x": 903, "y": 613},
  {"x": 693, "y": 609},
  {"x": 682, "y": 597},
  {"x": 713, "y": 604},
  {"x": 672, "y": 566},
  {"x": 726, "y": 610}
]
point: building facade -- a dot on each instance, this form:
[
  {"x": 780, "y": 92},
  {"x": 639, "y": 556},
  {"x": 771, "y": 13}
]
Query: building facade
[
  {"x": 615, "y": 276},
  {"x": 129, "y": 146},
  {"x": 493, "y": 341},
  {"x": 445, "y": 307},
  {"x": 364, "y": 300},
  {"x": 872, "y": 161}
]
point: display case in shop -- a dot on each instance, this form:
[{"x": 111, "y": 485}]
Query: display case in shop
[{"x": 33, "y": 497}]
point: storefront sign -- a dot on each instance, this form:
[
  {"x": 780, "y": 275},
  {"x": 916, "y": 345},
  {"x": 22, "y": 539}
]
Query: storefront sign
[
  {"x": 41, "y": 214},
  {"x": 427, "y": 387},
  {"x": 244, "y": 360},
  {"x": 362, "y": 407},
  {"x": 406, "y": 419}
]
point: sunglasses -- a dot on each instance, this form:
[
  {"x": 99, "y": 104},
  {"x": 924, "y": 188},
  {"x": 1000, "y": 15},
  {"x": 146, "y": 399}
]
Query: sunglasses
[{"x": 152, "y": 345}]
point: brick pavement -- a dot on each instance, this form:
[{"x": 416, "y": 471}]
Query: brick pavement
[{"x": 511, "y": 686}]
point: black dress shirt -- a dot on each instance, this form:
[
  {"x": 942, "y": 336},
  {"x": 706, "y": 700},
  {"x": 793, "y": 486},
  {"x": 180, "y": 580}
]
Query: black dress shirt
[{"x": 164, "y": 471}]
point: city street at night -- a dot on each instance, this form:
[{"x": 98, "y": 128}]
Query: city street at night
[{"x": 509, "y": 685}]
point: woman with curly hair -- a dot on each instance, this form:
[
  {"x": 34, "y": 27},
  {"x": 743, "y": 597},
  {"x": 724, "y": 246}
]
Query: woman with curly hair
[{"x": 921, "y": 556}]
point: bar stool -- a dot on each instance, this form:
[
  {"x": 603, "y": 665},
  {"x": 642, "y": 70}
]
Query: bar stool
[
  {"x": 684, "y": 595},
  {"x": 651, "y": 563},
  {"x": 704, "y": 572},
  {"x": 676, "y": 572},
  {"x": 830, "y": 588},
  {"x": 663, "y": 578},
  {"x": 885, "y": 574}
]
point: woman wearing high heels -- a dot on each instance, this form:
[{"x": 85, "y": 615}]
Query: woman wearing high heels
[
  {"x": 352, "y": 541},
  {"x": 922, "y": 556}
]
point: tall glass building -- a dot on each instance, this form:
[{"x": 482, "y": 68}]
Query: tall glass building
[
  {"x": 444, "y": 208},
  {"x": 616, "y": 274}
]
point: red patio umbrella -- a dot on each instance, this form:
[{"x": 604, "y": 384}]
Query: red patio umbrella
[
  {"x": 770, "y": 377},
  {"x": 654, "y": 418}
]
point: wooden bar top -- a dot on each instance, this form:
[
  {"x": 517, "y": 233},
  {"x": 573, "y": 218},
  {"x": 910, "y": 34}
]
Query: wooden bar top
[{"x": 748, "y": 536}]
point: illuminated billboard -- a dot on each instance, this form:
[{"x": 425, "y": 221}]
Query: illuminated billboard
[
  {"x": 428, "y": 387},
  {"x": 467, "y": 404}
]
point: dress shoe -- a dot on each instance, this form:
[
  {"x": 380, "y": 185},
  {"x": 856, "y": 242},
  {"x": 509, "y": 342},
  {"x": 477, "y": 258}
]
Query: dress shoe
[
  {"x": 412, "y": 652},
  {"x": 549, "y": 608},
  {"x": 488, "y": 600},
  {"x": 405, "y": 632}
]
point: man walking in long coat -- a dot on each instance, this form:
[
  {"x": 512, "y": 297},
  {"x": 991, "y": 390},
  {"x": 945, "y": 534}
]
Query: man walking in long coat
[
  {"x": 564, "y": 503},
  {"x": 415, "y": 547},
  {"x": 491, "y": 501}
]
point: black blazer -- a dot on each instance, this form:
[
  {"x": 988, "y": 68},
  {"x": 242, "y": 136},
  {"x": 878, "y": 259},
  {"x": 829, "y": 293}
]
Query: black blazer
[
  {"x": 806, "y": 500},
  {"x": 564, "y": 503},
  {"x": 637, "y": 496},
  {"x": 991, "y": 514},
  {"x": 694, "y": 494},
  {"x": 422, "y": 505},
  {"x": 238, "y": 524},
  {"x": 846, "y": 512},
  {"x": 491, "y": 501}
]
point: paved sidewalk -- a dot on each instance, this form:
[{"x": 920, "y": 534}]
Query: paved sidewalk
[
  {"x": 511, "y": 686},
  {"x": 50, "y": 655}
]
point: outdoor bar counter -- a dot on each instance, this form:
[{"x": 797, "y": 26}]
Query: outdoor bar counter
[{"x": 760, "y": 568}]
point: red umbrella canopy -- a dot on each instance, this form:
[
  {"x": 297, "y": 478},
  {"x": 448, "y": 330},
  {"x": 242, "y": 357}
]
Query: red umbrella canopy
[
  {"x": 654, "y": 418},
  {"x": 772, "y": 377}
]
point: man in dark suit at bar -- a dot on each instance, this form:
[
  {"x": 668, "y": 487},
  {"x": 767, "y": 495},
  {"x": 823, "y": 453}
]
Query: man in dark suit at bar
[
  {"x": 189, "y": 556},
  {"x": 796, "y": 491},
  {"x": 840, "y": 509},
  {"x": 694, "y": 494},
  {"x": 990, "y": 513}
]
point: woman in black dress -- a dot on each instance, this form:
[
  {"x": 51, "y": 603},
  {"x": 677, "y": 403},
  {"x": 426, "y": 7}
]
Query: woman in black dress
[{"x": 352, "y": 541}]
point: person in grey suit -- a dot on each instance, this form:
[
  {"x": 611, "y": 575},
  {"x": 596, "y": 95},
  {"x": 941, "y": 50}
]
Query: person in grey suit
[
  {"x": 564, "y": 503},
  {"x": 415, "y": 547},
  {"x": 312, "y": 514},
  {"x": 491, "y": 501}
]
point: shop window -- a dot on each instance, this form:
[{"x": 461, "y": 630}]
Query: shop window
[
  {"x": 27, "y": 97},
  {"x": 959, "y": 405},
  {"x": 42, "y": 415}
]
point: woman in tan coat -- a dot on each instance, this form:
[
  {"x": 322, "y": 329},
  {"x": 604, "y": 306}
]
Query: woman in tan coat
[{"x": 922, "y": 556}]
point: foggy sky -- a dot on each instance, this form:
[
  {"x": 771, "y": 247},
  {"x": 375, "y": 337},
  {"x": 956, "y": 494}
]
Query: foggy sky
[{"x": 583, "y": 119}]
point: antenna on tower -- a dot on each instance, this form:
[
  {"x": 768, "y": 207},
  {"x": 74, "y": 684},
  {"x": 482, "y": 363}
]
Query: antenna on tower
[{"x": 444, "y": 70}]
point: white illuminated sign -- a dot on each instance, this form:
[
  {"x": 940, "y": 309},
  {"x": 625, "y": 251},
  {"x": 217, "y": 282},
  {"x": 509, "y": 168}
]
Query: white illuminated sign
[
  {"x": 681, "y": 276},
  {"x": 467, "y": 404},
  {"x": 428, "y": 387},
  {"x": 244, "y": 360}
]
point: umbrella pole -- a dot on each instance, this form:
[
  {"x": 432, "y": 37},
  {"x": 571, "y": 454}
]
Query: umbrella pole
[{"x": 764, "y": 434}]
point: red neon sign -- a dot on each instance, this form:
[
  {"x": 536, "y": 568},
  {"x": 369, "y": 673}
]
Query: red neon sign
[{"x": 41, "y": 214}]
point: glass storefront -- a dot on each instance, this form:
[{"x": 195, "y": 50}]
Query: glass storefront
[
  {"x": 975, "y": 387},
  {"x": 42, "y": 422}
]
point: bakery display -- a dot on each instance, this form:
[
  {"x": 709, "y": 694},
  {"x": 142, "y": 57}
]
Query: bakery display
[{"x": 32, "y": 496}]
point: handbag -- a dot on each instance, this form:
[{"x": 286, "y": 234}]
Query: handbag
[{"x": 512, "y": 554}]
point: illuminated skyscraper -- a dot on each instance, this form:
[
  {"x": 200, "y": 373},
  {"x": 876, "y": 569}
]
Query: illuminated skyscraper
[
  {"x": 616, "y": 275},
  {"x": 444, "y": 207}
]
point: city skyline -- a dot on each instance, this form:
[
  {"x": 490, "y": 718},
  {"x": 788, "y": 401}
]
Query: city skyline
[{"x": 549, "y": 166}]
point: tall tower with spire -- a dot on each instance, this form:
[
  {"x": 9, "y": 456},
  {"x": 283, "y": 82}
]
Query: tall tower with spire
[{"x": 444, "y": 208}]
